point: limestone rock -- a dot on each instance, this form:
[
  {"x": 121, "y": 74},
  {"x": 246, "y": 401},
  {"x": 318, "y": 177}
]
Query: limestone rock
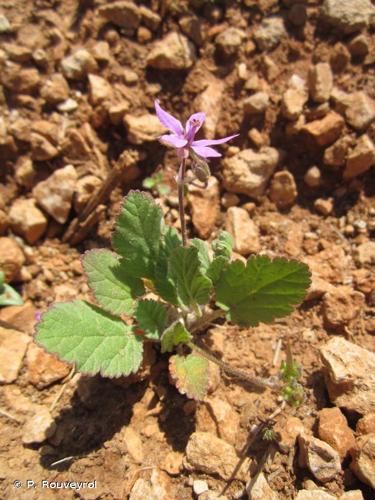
[
  {"x": 361, "y": 112},
  {"x": 334, "y": 430},
  {"x": 314, "y": 495},
  {"x": 244, "y": 231},
  {"x": 143, "y": 128},
  {"x": 13, "y": 345},
  {"x": 39, "y": 427},
  {"x": 256, "y": 104},
  {"x": 44, "y": 369},
  {"x": 11, "y": 259},
  {"x": 200, "y": 486},
  {"x": 78, "y": 65},
  {"x": 27, "y": 220},
  {"x": 205, "y": 207},
  {"x": 325, "y": 131},
  {"x": 361, "y": 158},
  {"x": 320, "y": 458},
  {"x": 283, "y": 189},
  {"x": 349, "y": 372},
  {"x": 122, "y": 13},
  {"x": 174, "y": 51},
  {"x": 270, "y": 32},
  {"x": 55, "y": 194},
  {"x": 209, "y": 102},
  {"x": 259, "y": 489},
  {"x": 348, "y": 16},
  {"x": 217, "y": 416},
  {"x": 249, "y": 171},
  {"x": 365, "y": 253},
  {"x": 320, "y": 82},
  {"x": 99, "y": 89},
  {"x": 55, "y": 89},
  {"x": 230, "y": 40},
  {"x": 341, "y": 305},
  {"x": 293, "y": 102},
  {"x": 363, "y": 464}
]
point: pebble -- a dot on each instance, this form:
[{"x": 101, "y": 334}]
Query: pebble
[
  {"x": 101, "y": 52},
  {"x": 199, "y": 486},
  {"x": 349, "y": 372},
  {"x": 205, "y": 207},
  {"x": 192, "y": 27},
  {"x": 20, "y": 80},
  {"x": 230, "y": 200},
  {"x": 218, "y": 417},
  {"x": 366, "y": 424},
  {"x": 78, "y": 65},
  {"x": 365, "y": 253},
  {"x": 348, "y": 16},
  {"x": 133, "y": 444},
  {"x": 174, "y": 51},
  {"x": 55, "y": 89},
  {"x": 361, "y": 111},
  {"x": 363, "y": 464},
  {"x": 11, "y": 259},
  {"x": 320, "y": 82},
  {"x": 143, "y": 128},
  {"x": 359, "y": 46},
  {"x": 21, "y": 317},
  {"x": 157, "y": 487},
  {"x": 292, "y": 103},
  {"x": 27, "y": 220},
  {"x": 333, "y": 428},
  {"x": 288, "y": 429},
  {"x": 41, "y": 148},
  {"x": 39, "y": 427},
  {"x": 335, "y": 155},
  {"x": 319, "y": 457},
  {"x": 212, "y": 455},
  {"x": 244, "y": 231},
  {"x": 99, "y": 89},
  {"x": 67, "y": 106},
  {"x": 341, "y": 305},
  {"x": 44, "y": 369},
  {"x": 325, "y": 131},
  {"x": 151, "y": 19},
  {"x": 270, "y": 32},
  {"x": 361, "y": 158},
  {"x": 315, "y": 494},
  {"x": 257, "y": 103},
  {"x": 352, "y": 495},
  {"x": 313, "y": 177},
  {"x": 172, "y": 462},
  {"x": 210, "y": 102},
  {"x": 55, "y": 194},
  {"x": 5, "y": 26},
  {"x": 249, "y": 171},
  {"x": 283, "y": 189},
  {"x": 13, "y": 345},
  {"x": 259, "y": 489},
  {"x": 123, "y": 14},
  {"x": 324, "y": 206},
  {"x": 230, "y": 40}
]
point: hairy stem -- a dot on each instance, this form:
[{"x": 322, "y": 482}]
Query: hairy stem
[
  {"x": 234, "y": 372},
  {"x": 181, "y": 188}
]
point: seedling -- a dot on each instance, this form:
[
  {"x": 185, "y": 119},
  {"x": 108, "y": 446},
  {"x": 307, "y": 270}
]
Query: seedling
[
  {"x": 8, "y": 295},
  {"x": 192, "y": 283},
  {"x": 291, "y": 371},
  {"x": 155, "y": 184}
]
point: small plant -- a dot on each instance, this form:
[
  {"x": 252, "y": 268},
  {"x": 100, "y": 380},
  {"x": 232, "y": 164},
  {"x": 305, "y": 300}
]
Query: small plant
[
  {"x": 292, "y": 390},
  {"x": 195, "y": 283},
  {"x": 8, "y": 295},
  {"x": 155, "y": 184}
]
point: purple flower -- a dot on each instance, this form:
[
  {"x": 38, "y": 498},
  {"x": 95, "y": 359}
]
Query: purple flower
[{"x": 183, "y": 138}]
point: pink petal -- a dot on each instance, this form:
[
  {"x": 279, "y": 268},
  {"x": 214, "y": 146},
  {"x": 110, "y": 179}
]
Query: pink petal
[
  {"x": 213, "y": 142},
  {"x": 193, "y": 124},
  {"x": 173, "y": 140},
  {"x": 205, "y": 152},
  {"x": 168, "y": 120}
]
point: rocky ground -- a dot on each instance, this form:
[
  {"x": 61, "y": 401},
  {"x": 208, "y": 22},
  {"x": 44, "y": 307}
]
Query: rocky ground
[{"x": 77, "y": 130}]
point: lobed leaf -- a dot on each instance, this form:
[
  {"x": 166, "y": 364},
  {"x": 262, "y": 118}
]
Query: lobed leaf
[
  {"x": 163, "y": 284},
  {"x": 262, "y": 290},
  {"x": 175, "y": 334},
  {"x": 97, "y": 342},
  {"x": 222, "y": 246},
  {"x": 113, "y": 287},
  {"x": 202, "y": 248},
  {"x": 190, "y": 374},
  {"x": 191, "y": 284},
  {"x": 151, "y": 317}
]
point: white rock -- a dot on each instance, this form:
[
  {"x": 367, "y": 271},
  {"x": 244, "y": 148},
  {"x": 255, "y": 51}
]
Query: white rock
[
  {"x": 4, "y": 24},
  {"x": 67, "y": 106},
  {"x": 199, "y": 486},
  {"x": 39, "y": 427},
  {"x": 230, "y": 40},
  {"x": 314, "y": 495},
  {"x": 270, "y": 32},
  {"x": 347, "y": 15},
  {"x": 365, "y": 253},
  {"x": 244, "y": 231},
  {"x": 293, "y": 102},
  {"x": 78, "y": 65},
  {"x": 320, "y": 82},
  {"x": 257, "y": 103},
  {"x": 361, "y": 111},
  {"x": 13, "y": 345},
  {"x": 361, "y": 158},
  {"x": 99, "y": 89},
  {"x": 174, "y": 51}
]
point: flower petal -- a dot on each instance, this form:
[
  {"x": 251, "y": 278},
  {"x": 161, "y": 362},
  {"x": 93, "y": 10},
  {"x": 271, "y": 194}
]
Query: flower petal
[
  {"x": 168, "y": 120},
  {"x": 173, "y": 140},
  {"x": 193, "y": 124},
  {"x": 205, "y": 152},
  {"x": 213, "y": 142}
]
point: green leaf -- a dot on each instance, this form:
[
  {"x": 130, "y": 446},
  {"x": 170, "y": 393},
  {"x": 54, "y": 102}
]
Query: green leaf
[
  {"x": 137, "y": 236},
  {"x": 175, "y": 334},
  {"x": 192, "y": 286},
  {"x": 190, "y": 374},
  {"x": 262, "y": 290},
  {"x": 9, "y": 296},
  {"x": 202, "y": 247},
  {"x": 114, "y": 288},
  {"x": 216, "y": 267},
  {"x": 162, "y": 281},
  {"x": 222, "y": 246},
  {"x": 81, "y": 333},
  {"x": 151, "y": 317},
  {"x": 148, "y": 183}
]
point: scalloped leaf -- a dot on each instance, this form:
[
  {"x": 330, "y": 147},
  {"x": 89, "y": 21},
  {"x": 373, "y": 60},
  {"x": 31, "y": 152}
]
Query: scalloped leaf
[
  {"x": 174, "y": 335},
  {"x": 222, "y": 246},
  {"x": 113, "y": 287},
  {"x": 151, "y": 317},
  {"x": 191, "y": 284},
  {"x": 190, "y": 374},
  {"x": 162, "y": 281},
  {"x": 202, "y": 247},
  {"x": 262, "y": 290},
  {"x": 97, "y": 342}
]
